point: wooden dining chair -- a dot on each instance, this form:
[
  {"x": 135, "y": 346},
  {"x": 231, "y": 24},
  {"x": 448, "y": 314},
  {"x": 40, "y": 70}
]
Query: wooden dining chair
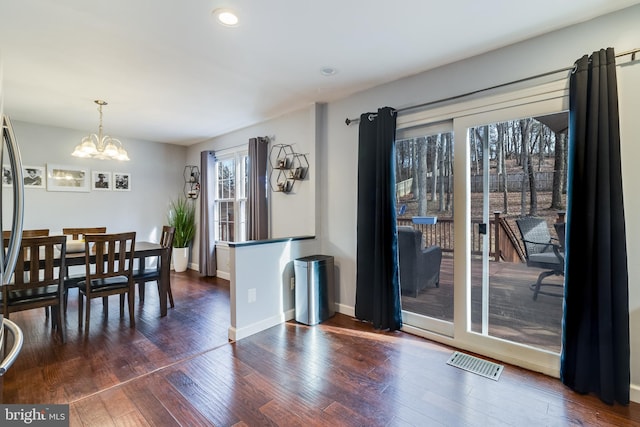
[
  {"x": 37, "y": 282},
  {"x": 77, "y": 233},
  {"x": 109, "y": 273},
  {"x": 143, "y": 275},
  {"x": 40, "y": 232}
]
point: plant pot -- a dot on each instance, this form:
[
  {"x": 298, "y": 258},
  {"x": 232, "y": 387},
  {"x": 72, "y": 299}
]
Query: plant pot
[{"x": 180, "y": 259}]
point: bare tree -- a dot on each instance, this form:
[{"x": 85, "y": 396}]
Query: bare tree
[
  {"x": 501, "y": 167},
  {"x": 559, "y": 172},
  {"x": 525, "y": 132},
  {"x": 421, "y": 175},
  {"x": 449, "y": 172},
  {"x": 434, "y": 143}
]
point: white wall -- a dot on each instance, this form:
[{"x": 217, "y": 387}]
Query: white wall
[{"x": 156, "y": 178}]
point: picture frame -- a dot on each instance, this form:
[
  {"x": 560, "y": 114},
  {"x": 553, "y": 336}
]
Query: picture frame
[
  {"x": 7, "y": 176},
  {"x": 67, "y": 178},
  {"x": 34, "y": 176},
  {"x": 121, "y": 181},
  {"x": 101, "y": 181}
]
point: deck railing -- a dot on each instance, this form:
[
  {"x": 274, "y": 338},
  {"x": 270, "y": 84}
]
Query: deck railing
[{"x": 504, "y": 241}]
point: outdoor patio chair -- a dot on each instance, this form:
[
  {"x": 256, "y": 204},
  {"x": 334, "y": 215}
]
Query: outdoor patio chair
[
  {"x": 419, "y": 266},
  {"x": 542, "y": 251}
]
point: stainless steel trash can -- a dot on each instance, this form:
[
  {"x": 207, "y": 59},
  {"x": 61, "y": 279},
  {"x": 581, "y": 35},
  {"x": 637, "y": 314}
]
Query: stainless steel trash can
[{"x": 314, "y": 289}]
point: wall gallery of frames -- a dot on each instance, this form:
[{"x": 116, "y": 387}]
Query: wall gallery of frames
[{"x": 56, "y": 177}]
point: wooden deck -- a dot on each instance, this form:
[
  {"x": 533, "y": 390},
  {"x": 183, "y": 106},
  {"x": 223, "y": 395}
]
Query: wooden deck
[{"x": 513, "y": 314}]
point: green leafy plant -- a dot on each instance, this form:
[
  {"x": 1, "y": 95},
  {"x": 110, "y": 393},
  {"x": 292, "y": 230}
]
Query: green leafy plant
[{"x": 182, "y": 216}]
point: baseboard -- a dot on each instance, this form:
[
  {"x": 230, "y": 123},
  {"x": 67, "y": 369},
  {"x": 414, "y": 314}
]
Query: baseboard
[
  {"x": 290, "y": 314},
  {"x": 236, "y": 334},
  {"x": 635, "y": 393},
  {"x": 347, "y": 310},
  {"x": 223, "y": 274}
]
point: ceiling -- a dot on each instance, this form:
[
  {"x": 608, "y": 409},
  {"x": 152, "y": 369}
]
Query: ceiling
[{"x": 170, "y": 73}]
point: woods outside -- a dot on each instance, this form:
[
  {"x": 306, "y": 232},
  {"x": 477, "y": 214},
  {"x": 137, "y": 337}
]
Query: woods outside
[{"x": 527, "y": 170}]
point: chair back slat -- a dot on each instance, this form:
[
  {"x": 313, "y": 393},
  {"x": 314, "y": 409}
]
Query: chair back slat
[{"x": 166, "y": 239}]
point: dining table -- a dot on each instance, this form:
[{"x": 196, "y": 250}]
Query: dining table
[{"x": 142, "y": 251}]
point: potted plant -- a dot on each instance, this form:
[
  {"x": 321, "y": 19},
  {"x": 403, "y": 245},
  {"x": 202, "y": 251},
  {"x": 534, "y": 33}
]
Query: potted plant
[{"x": 182, "y": 216}]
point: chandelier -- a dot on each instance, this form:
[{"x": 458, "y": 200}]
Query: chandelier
[{"x": 100, "y": 146}]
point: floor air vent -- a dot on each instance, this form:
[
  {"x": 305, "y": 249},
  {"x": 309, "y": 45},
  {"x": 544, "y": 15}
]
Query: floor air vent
[{"x": 476, "y": 365}]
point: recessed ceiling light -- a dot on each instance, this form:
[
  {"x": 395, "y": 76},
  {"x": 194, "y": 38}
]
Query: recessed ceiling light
[
  {"x": 226, "y": 17},
  {"x": 328, "y": 71}
]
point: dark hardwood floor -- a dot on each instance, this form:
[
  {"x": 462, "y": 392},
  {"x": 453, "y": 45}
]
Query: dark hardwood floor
[{"x": 181, "y": 370}]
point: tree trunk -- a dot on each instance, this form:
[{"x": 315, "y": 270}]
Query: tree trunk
[
  {"x": 525, "y": 131},
  {"x": 441, "y": 170},
  {"x": 501, "y": 167},
  {"x": 435, "y": 140},
  {"x": 449, "y": 164},
  {"x": 421, "y": 175},
  {"x": 558, "y": 173}
]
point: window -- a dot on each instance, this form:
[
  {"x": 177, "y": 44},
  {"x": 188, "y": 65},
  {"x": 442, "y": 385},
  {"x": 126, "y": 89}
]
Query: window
[{"x": 231, "y": 197}]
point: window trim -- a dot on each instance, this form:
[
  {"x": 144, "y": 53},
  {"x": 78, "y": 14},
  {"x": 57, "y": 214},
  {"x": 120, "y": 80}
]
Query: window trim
[{"x": 240, "y": 194}]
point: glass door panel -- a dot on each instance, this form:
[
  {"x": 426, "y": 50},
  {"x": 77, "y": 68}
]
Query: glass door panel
[
  {"x": 517, "y": 169},
  {"x": 424, "y": 192}
]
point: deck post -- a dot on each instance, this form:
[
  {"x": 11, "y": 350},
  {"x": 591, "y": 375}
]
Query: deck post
[{"x": 496, "y": 235}]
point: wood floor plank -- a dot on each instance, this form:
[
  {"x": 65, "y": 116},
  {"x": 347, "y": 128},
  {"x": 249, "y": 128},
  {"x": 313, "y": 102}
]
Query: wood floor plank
[{"x": 177, "y": 404}]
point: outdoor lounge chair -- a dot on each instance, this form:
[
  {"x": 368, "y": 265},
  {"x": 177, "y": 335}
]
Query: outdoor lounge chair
[
  {"x": 542, "y": 251},
  {"x": 419, "y": 267}
]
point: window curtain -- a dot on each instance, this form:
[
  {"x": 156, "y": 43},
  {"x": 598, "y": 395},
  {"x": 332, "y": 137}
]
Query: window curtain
[
  {"x": 377, "y": 281},
  {"x": 207, "y": 264},
  {"x": 595, "y": 352},
  {"x": 257, "y": 216}
]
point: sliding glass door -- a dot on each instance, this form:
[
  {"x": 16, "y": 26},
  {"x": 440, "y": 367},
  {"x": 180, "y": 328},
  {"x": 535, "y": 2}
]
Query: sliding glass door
[{"x": 510, "y": 163}]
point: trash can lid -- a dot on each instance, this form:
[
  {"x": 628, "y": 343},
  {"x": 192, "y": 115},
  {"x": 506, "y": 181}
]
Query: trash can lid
[{"x": 312, "y": 258}]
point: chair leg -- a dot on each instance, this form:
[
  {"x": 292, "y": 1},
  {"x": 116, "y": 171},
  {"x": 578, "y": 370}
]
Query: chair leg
[
  {"x": 80, "y": 308},
  {"x": 170, "y": 297},
  {"x": 87, "y": 317},
  {"x": 169, "y": 293},
  {"x": 121, "y": 306},
  {"x": 538, "y": 284},
  {"x": 131, "y": 298},
  {"x": 141, "y": 286},
  {"x": 59, "y": 313}
]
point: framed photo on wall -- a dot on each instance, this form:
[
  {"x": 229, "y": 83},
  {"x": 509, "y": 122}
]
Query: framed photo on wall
[
  {"x": 121, "y": 181},
  {"x": 67, "y": 178},
  {"x": 101, "y": 181},
  {"x": 34, "y": 176}
]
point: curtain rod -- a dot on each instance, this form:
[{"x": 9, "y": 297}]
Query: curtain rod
[{"x": 348, "y": 121}]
